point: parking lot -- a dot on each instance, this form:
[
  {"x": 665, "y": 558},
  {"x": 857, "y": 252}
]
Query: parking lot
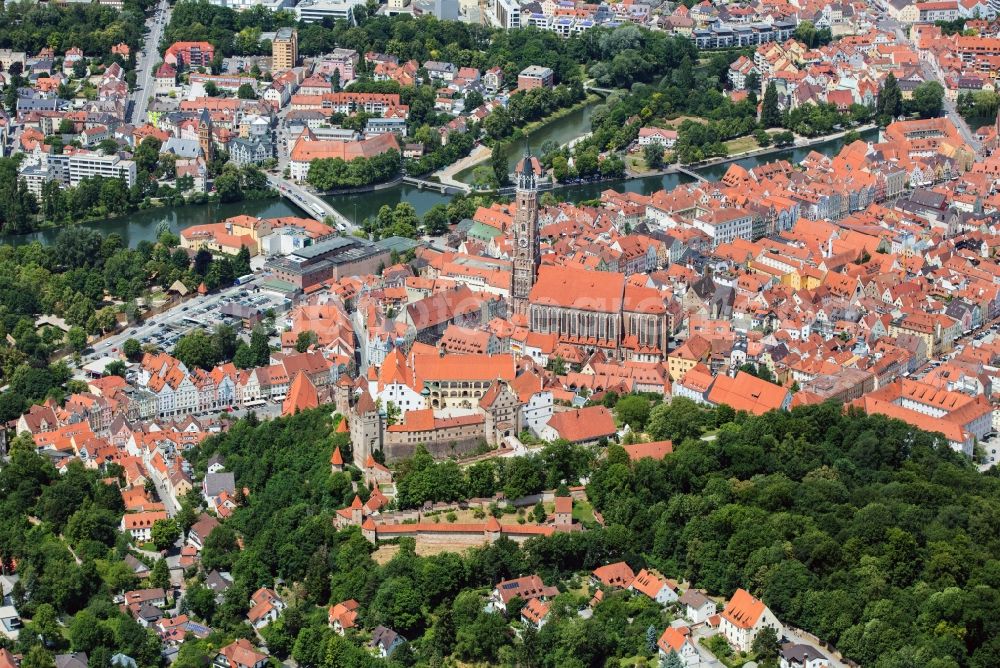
[{"x": 200, "y": 312}]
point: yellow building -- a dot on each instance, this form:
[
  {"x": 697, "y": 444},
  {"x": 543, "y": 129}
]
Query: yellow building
[
  {"x": 285, "y": 49},
  {"x": 681, "y": 360}
]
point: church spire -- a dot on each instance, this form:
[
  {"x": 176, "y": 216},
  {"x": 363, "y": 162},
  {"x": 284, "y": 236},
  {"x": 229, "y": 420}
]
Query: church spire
[{"x": 527, "y": 171}]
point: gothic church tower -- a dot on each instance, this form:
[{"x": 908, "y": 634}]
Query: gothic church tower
[{"x": 527, "y": 255}]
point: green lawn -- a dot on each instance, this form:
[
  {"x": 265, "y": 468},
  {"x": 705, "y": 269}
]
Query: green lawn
[
  {"x": 635, "y": 163},
  {"x": 583, "y": 512},
  {"x": 741, "y": 145}
]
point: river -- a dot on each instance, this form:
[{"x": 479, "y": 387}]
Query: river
[
  {"x": 142, "y": 225},
  {"x": 562, "y": 131}
]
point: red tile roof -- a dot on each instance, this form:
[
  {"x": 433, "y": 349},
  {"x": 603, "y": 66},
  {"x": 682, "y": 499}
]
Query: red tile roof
[{"x": 585, "y": 424}]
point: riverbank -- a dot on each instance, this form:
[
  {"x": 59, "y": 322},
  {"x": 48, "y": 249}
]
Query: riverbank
[
  {"x": 357, "y": 190},
  {"x": 534, "y": 126},
  {"x": 153, "y": 205},
  {"x": 805, "y": 142},
  {"x": 800, "y": 143},
  {"x": 447, "y": 176},
  {"x": 560, "y": 126}
]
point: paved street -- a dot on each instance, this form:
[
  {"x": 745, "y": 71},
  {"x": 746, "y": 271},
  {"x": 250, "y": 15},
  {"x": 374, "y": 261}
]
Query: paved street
[
  {"x": 932, "y": 74},
  {"x": 145, "y": 62}
]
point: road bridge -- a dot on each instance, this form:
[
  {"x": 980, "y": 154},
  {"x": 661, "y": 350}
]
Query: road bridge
[{"x": 313, "y": 205}]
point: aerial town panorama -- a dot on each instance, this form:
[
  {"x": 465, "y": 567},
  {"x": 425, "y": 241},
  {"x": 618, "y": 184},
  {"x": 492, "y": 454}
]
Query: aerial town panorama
[{"x": 515, "y": 333}]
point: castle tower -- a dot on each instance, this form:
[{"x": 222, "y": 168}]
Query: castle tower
[
  {"x": 342, "y": 395},
  {"x": 527, "y": 255},
  {"x": 366, "y": 429}
]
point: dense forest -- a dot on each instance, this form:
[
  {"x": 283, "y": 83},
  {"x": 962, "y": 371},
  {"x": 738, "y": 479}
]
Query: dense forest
[
  {"x": 866, "y": 532},
  {"x": 95, "y": 28}
]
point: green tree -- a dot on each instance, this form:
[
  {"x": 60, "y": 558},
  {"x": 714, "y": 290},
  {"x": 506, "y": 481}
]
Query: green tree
[
  {"x": 783, "y": 138},
  {"x": 164, "y": 534},
  {"x": 160, "y": 575},
  {"x": 304, "y": 340},
  {"x": 197, "y": 350},
  {"x": 928, "y": 99},
  {"x": 498, "y": 160},
  {"x": 435, "y": 221},
  {"x": 260, "y": 350},
  {"x": 147, "y": 154},
  {"x": 115, "y": 368},
  {"x": 228, "y": 186},
  {"x": 132, "y": 350},
  {"x": 246, "y": 92},
  {"x": 201, "y": 601},
  {"x": 225, "y": 341},
  {"x": 86, "y": 633},
  {"x": 241, "y": 265},
  {"x": 557, "y": 365},
  {"x": 766, "y": 645},
  {"x": 671, "y": 660},
  {"x": 633, "y": 410},
  {"x": 397, "y": 604},
  {"x": 652, "y": 154},
  {"x": 77, "y": 338},
  {"x": 770, "y": 114},
  {"x": 244, "y": 357},
  {"x": 46, "y": 626},
  {"x": 473, "y": 100},
  {"x": 677, "y": 420},
  {"x": 37, "y": 657},
  {"x": 889, "y": 103}
]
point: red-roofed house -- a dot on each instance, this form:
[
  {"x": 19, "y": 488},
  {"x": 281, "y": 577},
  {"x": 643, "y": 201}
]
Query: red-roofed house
[
  {"x": 343, "y": 616},
  {"x": 189, "y": 54},
  {"x": 301, "y": 396},
  {"x": 748, "y": 393},
  {"x": 661, "y": 590},
  {"x": 678, "y": 641},
  {"x": 535, "y": 612},
  {"x": 240, "y": 654},
  {"x": 655, "y": 450},
  {"x": 265, "y": 607},
  {"x": 744, "y": 617},
  {"x": 584, "y": 426},
  {"x": 526, "y": 588},
  {"x": 140, "y": 525},
  {"x": 617, "y": 575}
]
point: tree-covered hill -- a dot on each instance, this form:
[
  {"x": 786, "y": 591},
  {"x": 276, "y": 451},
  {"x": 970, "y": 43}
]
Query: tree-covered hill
[{"x": 872, "y": 535}]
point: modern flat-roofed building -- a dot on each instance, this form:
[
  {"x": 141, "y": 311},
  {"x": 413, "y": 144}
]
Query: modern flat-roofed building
[
  {"x": 329, "y": 260},
  {"x": 508, "y": 14},
  {"x": 312, "y": 11},
  {"x": 535, "y": 76},
  {"x": 72, "y": 167}
]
